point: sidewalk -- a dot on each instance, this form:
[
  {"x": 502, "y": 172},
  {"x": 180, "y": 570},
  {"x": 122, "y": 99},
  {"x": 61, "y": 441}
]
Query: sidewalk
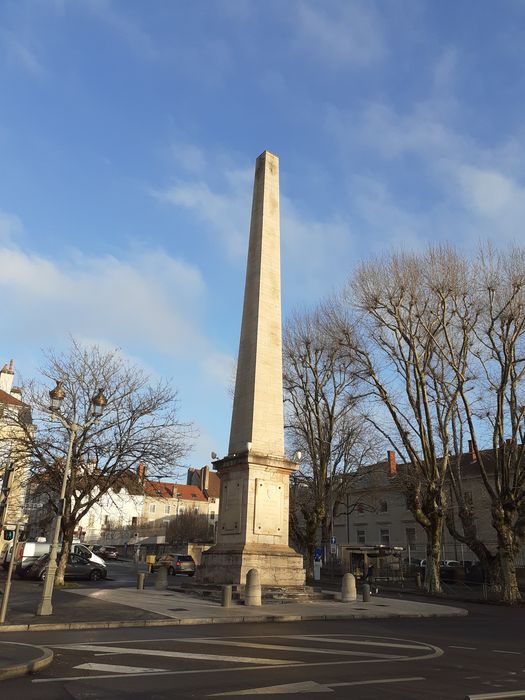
[{"x": 92, "y": 607}]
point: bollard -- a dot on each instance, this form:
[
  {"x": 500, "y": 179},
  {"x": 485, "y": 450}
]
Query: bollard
[
  {"x": 366, "y": 593},
  {"x": 418, "y": 579},
  {"x": 348, "y": 591},
  {"x": 161, "y": 580},
  {"x": 226, "y": 601},
  {"x": 140, "y": 581},
  {"x": 252, "y": 591}
]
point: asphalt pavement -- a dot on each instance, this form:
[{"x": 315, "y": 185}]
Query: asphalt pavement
[
  {"x": 479, "y": 656},
  {"x": 116, "y": 603}
]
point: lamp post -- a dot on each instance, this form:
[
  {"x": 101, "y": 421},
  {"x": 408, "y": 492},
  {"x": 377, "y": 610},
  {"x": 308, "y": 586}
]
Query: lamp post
[{"x": 98, "y": 403}]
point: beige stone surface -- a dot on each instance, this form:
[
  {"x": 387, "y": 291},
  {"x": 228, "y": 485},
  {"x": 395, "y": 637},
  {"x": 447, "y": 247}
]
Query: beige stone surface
[
  {"x": 254, "y": 504},
  {"x": 258, "y": 403}
]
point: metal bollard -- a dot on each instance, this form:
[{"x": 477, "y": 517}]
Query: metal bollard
[
  {"x": 226, "y": 601},
  {"x": 348, "y": 591},
  {"x": 252, "y": 591},
  {"x": 140, "y": 581},
  {"x": 418, "y": 579},
  {"x": 366, "y": 593}
]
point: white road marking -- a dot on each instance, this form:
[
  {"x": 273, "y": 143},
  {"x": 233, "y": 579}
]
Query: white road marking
[
  {"x": 358, "y": 641},
  {"x": 502, "y": 651},
  {"x": 316, "y": 650},
  {"x": 496, "y": 696},
  {"x": 451, "y": 646},
  {"x": 312, "y": 687},
  {"x": 184, "y": 655},
  {"x": 112, "y": 668}
]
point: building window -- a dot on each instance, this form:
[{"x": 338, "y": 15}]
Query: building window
[
  {"x": 152, "y": 507},
  {"x": 134, "y": 521},
  {"x": 383, "y": 506},
  {"x": 361, "y": 537},
  {"x": 212, "y": 516},
  {"x": 385, "y": 537},
  {"x": 166, "y": 510},
  {"x": 91, "y": 520},
  {"x": 410, "y": 533},
  {"x": 106, "y": 520}
]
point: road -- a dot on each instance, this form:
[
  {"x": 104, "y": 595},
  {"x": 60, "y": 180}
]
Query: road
[{"x": 432, "y": 658}]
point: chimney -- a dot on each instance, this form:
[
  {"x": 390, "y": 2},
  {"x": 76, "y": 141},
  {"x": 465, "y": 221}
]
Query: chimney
[
  {"x": 472, "y": 451},
  {"x": 141, "y": 472},
  {"x": 392, "y": 466},
  {"x": 6, "y": 377},
  {"x": 205, "y": 478}
]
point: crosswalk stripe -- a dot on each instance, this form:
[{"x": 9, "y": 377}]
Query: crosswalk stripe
[
  {"x": 113, "y": 668},
  {"x": 282, "y": 647},
  {"x": 181, "y": 655},
  {"x": 360, "y": 642}
]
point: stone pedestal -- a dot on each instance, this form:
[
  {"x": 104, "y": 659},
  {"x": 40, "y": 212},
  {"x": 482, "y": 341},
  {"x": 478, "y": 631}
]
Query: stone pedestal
[{"x": 253, "y": 524}]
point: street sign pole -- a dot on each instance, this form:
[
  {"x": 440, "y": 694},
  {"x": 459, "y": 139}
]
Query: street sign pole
[{"x": 7, "y": 588}]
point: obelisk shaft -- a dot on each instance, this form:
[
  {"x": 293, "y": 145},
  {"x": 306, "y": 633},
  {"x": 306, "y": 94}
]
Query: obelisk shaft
[{"x": 258, "y": 403}]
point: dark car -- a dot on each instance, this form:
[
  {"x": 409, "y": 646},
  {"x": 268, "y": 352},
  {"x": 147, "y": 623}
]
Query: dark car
[
  {"x": 105, "y": 551},
  {"x": 176, "y": 564},
  {"x": 77, "y": 567}
]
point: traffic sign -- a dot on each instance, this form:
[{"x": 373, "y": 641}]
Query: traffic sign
[
  {"x": 318, "y": 554},
  {"x": 332, "y": 540}
]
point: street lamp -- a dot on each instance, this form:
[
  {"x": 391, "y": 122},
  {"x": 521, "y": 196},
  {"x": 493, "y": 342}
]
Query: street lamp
[{"x": 98, "y": 403}]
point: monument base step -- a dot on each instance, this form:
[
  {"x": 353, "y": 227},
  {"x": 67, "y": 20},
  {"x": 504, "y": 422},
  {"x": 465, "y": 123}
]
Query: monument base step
[{"x": 269, "y": 594}]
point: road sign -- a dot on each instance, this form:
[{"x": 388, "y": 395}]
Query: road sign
[
  {"x": 8, "y": 534},
  {"x": 332, "y": 540},
  {"x": 318, "y": 554},
  {"x": 333, "y": 549}
]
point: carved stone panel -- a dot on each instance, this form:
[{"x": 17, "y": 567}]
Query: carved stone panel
[
  {"x": 231, "y": 506},
  {"x": 269, "y": 503}
]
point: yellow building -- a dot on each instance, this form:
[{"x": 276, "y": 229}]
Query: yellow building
[{"x": 12, "y": 412}]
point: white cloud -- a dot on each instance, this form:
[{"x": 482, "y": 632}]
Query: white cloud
[
  {"x": 225, "y": 212},
  {"x": 19, "y": 55},
  {"x": 340, "y": 33},
  {"x": 488, "y": 192},
  {"x": 10, "y": 227},
  {"x": 151, "y": 301},
  {"x": 310, "y": 245}
]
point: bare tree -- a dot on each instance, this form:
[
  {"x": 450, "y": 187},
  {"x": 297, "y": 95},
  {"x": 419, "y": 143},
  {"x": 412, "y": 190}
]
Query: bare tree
[
  {"x": 323, "y": 422},
  {"x": 493, "y": 409},
  {"x": 189, "y": 527},
  {"x": 400, "y": 324},
  {"x": 140, "y": 425}
]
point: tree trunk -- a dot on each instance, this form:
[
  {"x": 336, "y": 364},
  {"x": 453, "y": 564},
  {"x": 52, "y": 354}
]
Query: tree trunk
[
  {"x": 510, "y": 593},
  {"x": 67, "y": 538},
  {"x": 432, "y": 574}
]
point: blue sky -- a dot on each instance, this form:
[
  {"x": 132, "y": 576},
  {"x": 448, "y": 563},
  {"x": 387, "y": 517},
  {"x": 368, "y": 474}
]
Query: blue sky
[{"x": 128, "y": 135}]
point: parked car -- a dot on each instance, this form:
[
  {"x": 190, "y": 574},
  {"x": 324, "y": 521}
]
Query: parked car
[
  {"x": 450, "y": 563},
  {"x": 76, "y": 567},
  {"x": 176, "y": 564},
  {"x": 106, "y": 551}
]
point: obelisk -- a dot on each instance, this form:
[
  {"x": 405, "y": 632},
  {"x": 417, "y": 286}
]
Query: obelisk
[{"x": 254, "y": 502}]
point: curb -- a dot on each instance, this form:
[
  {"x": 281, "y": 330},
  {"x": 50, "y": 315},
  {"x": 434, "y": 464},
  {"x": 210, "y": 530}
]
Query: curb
[
  {"x": 240, "y": 619},
  {"x": 23, "y": 669}
]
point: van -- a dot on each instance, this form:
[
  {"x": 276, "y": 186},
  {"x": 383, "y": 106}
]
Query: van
[
  {"x": 85, "y": 552},
  {"x": 27, "y": 553}
]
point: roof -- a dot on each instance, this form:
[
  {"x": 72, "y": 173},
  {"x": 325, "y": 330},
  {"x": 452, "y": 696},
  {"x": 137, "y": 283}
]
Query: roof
[
  {"x": 189, "y": 493},
  {"x": 158, "y": 489},
  {"x": 9, "y": 399}
]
